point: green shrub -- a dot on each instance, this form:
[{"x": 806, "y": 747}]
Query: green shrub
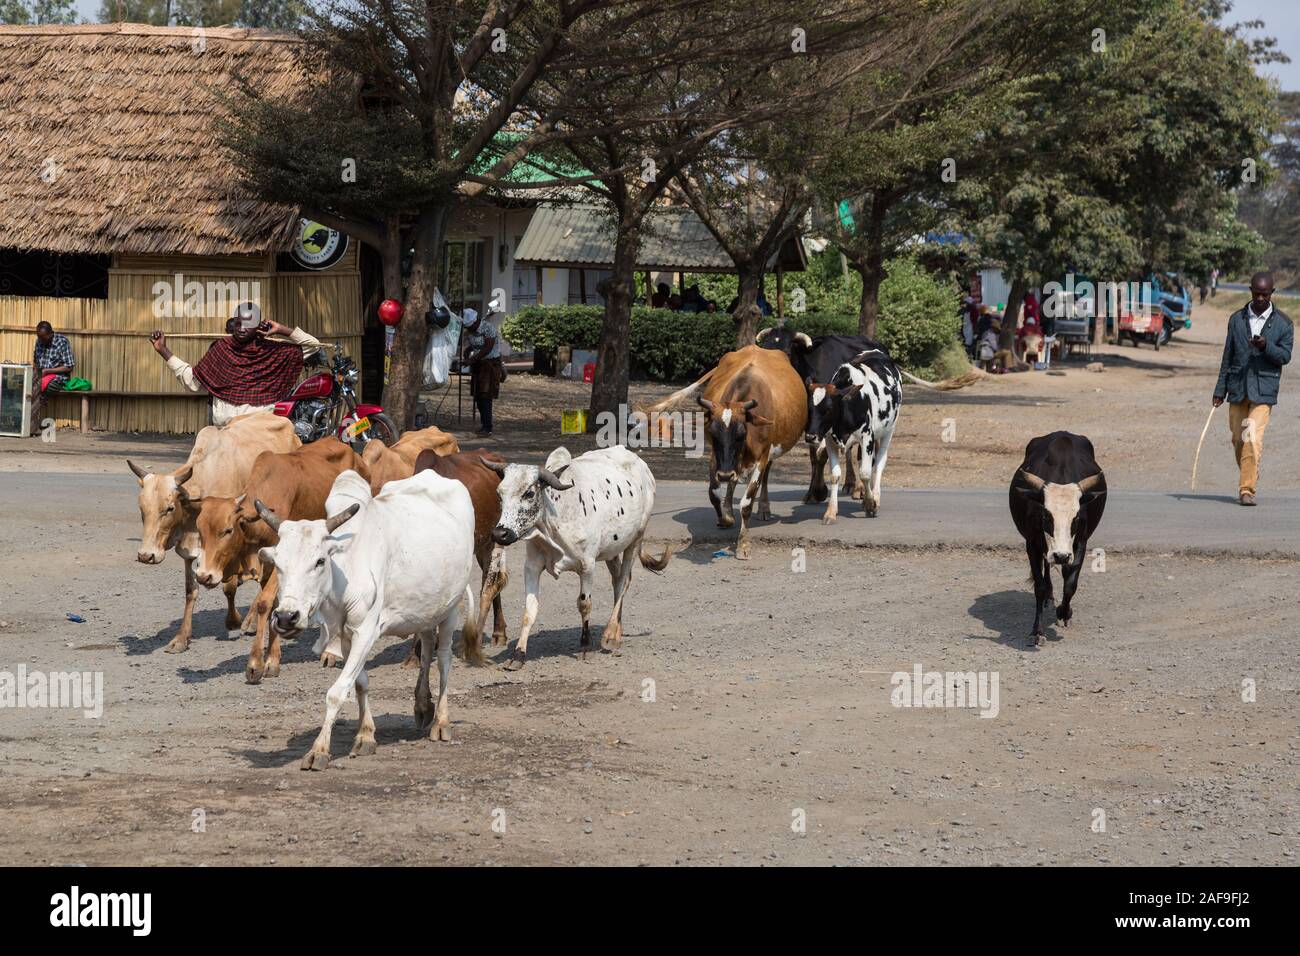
[
  {"x": 918, "y": 321},
  {"x": 664, "y": 345},
  {"x": 918, "y": 313}
]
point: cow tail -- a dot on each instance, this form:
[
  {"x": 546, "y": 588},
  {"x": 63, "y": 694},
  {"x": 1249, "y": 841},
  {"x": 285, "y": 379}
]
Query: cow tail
[
  {"x": 657, "y": 565},
  {"x": 471, "y": 639}
]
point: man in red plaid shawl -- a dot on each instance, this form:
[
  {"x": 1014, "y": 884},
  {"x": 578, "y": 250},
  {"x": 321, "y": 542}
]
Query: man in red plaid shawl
[{"x": 246, "y": 372}]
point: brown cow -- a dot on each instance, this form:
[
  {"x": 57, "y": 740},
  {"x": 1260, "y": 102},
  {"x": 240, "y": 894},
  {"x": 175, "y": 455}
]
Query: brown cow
[
  {"x": 467, "y": 468},
  {"x": 219, "y": 464},
  {"x": 294, "y": 486},
  {"x": 757, "y": 409},
  {"x": 390, "y": 464}
]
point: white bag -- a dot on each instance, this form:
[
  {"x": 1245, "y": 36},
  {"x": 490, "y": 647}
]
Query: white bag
[{"x": 441, "y": 348}]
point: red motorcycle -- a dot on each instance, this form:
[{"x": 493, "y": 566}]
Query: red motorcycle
[{"x": 326, "y": 404}]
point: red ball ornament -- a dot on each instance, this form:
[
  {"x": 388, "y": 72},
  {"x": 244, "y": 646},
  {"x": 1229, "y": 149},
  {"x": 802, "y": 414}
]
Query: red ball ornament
[{"x": 391, "y": 312}]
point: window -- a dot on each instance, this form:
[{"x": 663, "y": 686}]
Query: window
[
  {"x": 462, "y": 275},
  {"x": 525, "y": 291},
  {"x": 590, "y": 278}
]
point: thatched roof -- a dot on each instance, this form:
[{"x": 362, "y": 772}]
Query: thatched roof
[{"x": 119, "y": 118}]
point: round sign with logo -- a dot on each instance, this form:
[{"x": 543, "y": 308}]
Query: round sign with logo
[{"x": 317, "y": 246}]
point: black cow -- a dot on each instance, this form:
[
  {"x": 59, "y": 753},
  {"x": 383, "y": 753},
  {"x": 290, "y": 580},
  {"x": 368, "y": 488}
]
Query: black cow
[
  {"x": 853, "y": 416},
  {"x": 816, "y": 359},
  {"x": 1057, "y": 496}
]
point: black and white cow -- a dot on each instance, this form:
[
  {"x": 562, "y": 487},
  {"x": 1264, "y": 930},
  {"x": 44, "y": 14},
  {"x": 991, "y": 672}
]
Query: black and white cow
[
  {"x": 855, "y": 412},
  {"x": 817, "y": 359},
  {"x": 1057, "y": 497}
]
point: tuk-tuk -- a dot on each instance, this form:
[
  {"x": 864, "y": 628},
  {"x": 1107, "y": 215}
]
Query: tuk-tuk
[{"x": 1142, "y": 322}]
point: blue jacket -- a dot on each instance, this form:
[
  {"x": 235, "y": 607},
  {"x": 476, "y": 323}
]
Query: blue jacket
[{"x": 1248, "y": 372}]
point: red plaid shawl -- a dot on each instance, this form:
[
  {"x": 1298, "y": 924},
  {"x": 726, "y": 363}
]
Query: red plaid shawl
[{"x": 258, "y": 373}]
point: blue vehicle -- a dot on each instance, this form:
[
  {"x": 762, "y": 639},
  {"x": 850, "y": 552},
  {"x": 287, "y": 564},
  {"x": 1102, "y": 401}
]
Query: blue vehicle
[{"x": 1174, "y": 301}]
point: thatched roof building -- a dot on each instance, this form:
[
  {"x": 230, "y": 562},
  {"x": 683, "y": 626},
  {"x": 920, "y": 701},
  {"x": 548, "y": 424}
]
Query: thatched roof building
[
  {"x": 121, "y": 212},
  {"x": 110, "y": 145}
]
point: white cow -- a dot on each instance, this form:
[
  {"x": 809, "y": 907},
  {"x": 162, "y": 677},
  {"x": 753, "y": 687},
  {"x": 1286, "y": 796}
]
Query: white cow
[
  {"x": 403, "y": 566},
  {"x": 573, "y": 513}
]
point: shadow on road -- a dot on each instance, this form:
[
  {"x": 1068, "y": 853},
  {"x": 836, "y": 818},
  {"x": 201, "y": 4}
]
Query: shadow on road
[
  {"x": 1187, "y": 496},
  {"x": 389, "y": 729},
  {"x": 292, "y": 652},
  {"x": 207, "y": 625},
  {"x": 1011, "y": 615}
]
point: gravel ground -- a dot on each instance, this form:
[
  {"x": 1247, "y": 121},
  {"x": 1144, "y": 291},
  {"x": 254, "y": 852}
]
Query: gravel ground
[
  {"x": 771, "y": 688},
  {"x": 772, "y": 695}
]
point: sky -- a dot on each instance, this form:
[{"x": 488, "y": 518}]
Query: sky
[{"x": 1281, "y": 18}]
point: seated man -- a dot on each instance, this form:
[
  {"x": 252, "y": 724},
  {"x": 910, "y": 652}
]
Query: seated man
[
  {"x": 52, "y": 363},
  {"x": 246, "y": 372},
  {"x": 988, "y": 351},
  {"x": 1029, "y": 339}
]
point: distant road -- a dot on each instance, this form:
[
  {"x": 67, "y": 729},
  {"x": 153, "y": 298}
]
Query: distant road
[
  {"x": 1135, "y": 520},
  {"x": 1207, "y": 522}
]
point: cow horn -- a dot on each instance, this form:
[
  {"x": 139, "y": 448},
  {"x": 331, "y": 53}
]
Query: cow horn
[
  {"x": 184, "y": 475},
  {"x": 332, "y": 524},
  {"x": 267, "y": 515},
  {"x": 762, "y": 334},
  {"x": 704, "y": 403},
  {"x": 552, "y": 481},
  {"x": 137, "y": 470},
  {"x": 804, "y": 339},
  {"x": 1033, "y": 481},
  {"x": 751, "y": 404},
  {"x": 498, "y": 466},
  {"x": 1092, "y": 481}
]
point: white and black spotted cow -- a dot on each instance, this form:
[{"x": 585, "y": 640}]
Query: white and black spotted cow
[
  {"x": 855, "y": 413},
  {"x": 573, "y": 513}
]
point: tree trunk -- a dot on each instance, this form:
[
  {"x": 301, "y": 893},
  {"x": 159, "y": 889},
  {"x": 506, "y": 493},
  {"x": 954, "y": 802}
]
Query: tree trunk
[
  {"x": 407, "y": 374},
  {"x": 1011, "y": 318},
  {"x": 391, "y": 258},
  {"x": 609, "y": 388},
  {"x": 872, "y": 267},
  {"x": 747, "y": 312},
  {"x": 869, "y": 304}
]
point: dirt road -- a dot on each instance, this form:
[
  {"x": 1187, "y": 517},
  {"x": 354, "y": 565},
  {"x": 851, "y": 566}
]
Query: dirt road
[
  {"x": 750, "y": 717},
  {"x": 772, "y": 704}
]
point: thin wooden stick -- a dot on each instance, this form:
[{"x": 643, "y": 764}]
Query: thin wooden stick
[{"x": 1197, "y": 461}]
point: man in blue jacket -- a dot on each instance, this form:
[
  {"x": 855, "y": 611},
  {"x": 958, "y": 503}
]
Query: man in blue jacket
[{"x": 1258, "y": 345}]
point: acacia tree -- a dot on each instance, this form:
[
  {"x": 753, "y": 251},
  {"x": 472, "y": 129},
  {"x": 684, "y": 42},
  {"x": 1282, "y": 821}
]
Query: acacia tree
[
  {"x": 880, "y": 179},
  {"x": 1274, "y": 209},
  {"x": 747, "y": 63},
  {"x": 408, "y": 98},
  {"x": 750, "y": 193},
  {"x": 1158, "y": 146}
]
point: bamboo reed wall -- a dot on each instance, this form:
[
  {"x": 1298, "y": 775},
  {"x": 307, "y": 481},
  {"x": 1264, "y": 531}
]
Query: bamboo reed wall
[{"x": 110, "y": 337}]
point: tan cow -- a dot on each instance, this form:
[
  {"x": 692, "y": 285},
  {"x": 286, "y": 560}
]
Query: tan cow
[
  {"x": 390, "y": 464},
  {"x": 294, "y": 486},
  {"x": 757, "y": 408},
  {"x": 219, "y": 464}
]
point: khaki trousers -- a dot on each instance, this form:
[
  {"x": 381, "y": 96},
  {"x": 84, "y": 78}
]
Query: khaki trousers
[{"x": 1246, "y": 422}]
